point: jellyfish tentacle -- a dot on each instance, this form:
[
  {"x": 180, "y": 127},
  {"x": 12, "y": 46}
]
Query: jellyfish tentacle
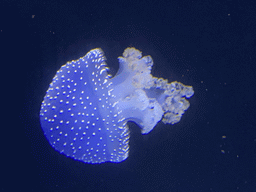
[{"x": 168, "y": 99}]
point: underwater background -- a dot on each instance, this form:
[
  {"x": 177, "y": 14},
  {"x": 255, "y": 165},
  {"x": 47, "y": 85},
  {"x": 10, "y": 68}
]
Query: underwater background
[{"x": 209, "y": 45}]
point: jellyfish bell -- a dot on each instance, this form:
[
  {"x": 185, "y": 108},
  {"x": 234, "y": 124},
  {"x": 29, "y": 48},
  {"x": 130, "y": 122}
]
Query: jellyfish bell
[{"x": 85, "y": 111}]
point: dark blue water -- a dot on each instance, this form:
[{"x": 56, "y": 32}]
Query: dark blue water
[{"x": 207, "y": 45}]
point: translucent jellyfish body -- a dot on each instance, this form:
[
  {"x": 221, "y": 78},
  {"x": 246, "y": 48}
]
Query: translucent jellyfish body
[{"x": 85, "y": 111}]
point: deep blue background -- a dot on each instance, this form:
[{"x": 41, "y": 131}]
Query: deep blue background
[{"x": 210, "y": 45}]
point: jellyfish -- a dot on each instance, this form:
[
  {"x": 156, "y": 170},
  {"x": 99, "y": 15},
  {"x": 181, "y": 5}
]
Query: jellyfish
[{"x": 85, "y": 111}]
